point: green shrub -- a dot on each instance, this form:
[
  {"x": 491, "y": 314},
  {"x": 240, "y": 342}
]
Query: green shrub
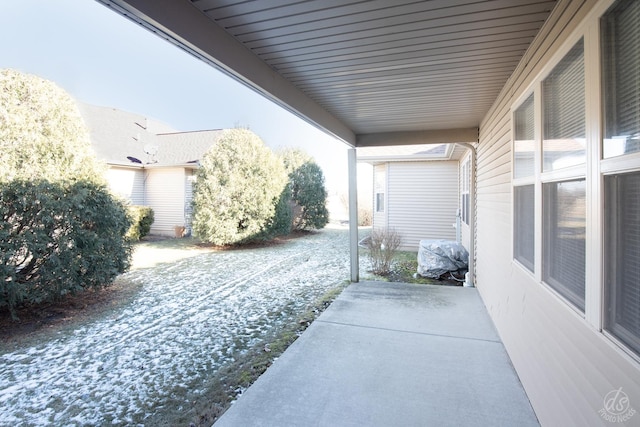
[
  {"x": 238, "y": 185},
  {"x": 58, "y": 238},
  {"x": 280, "y": 224},
  {"x": 141, "y": 219},
  {"x": 308, "y": 194},
  {"x": 42, "y": 134}
]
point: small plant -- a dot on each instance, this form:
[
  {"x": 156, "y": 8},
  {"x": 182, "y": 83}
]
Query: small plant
[
  {"x": 141, "y": 219},
  {"x": 383, "y": 245}
]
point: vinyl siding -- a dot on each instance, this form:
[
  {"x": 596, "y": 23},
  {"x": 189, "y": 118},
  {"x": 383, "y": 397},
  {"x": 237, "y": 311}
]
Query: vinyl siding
[
  {"x": 127, "y": 183},
  {"x": 422, "y": 200},
  {"x": 566, "y": 365},
  {"x": 166, "y": 196}
]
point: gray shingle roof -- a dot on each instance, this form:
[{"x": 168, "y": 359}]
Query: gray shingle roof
[{"x": 118, "y": 135}]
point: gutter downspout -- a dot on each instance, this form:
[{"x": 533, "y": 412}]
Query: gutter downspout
[{"x": 471, "y": 275}]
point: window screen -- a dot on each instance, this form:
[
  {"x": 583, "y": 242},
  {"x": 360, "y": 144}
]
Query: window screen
[
  {"x": 564, "y": 112},
  {"x": 621, "y": 77},
  {"x": 622, "y": 269},
  {"x": 524, "y": 143},
  {"x": 564, "y": 229},
  {"x": 524, "y": 225}
]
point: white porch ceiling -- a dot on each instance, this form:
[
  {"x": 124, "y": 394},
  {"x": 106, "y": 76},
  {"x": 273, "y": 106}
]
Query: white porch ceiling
[{"x": 370, "y": 72}]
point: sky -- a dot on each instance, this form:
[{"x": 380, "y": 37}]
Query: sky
[{"x": 101, "y": 58}]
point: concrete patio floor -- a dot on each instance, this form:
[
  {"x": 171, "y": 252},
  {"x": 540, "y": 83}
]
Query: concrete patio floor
[{"x": 390, "y": 354}]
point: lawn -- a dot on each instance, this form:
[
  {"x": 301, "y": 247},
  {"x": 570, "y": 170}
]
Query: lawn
[
  {"x": 198, "y": 327},
  {"x": 175, "y": 340}
]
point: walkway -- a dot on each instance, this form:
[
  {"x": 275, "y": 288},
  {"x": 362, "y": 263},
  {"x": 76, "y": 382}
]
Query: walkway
[{"x": 388, "y": 354}]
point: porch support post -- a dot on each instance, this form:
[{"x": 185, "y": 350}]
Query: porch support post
[{"x": 353, "y": 215}]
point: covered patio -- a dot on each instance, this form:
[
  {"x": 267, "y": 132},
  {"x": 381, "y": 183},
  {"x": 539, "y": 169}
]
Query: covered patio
[
  {"x": 492, "y": 76},
  {"x": 388, "y": 354}
]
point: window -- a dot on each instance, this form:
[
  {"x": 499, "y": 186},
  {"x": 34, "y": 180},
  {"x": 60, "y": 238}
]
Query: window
[
  {"x": 564, "y": 204},
  {"x": 563, "y": 101},
  {"x": 564, "y": 228},
  {"x": 524, "y": 143},
  {"x": 379, "y": 185},
  {"x": 524, "y": 228},
  {"x": 620, "y": 40},
  {"x": 379, "y": 202},
  {"x": 622, "y": 217},
  {"x": 560, "y": 143},
  {"x": 524, "y": 191},
  {"x": 621, "y": 76},
  {"x": 464, "y": 191}
]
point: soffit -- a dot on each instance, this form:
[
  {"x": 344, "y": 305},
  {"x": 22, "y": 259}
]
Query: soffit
[{"x": 379, "y": 66}]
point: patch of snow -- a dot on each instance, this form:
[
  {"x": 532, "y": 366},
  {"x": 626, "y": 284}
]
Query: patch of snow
[{"x": 190, "y": 319}]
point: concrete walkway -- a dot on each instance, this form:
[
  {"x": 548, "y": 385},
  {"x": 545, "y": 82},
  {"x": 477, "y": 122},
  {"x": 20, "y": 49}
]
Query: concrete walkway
[{"x": 389, "y": 354}]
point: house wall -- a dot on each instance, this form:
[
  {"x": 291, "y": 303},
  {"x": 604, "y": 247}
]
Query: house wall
[
  {"x": 565, "y": 362},
  {"x": 422, "y": 200},
  {"x": 166, "y": 196},
  {"x": 127, "y": 183}
]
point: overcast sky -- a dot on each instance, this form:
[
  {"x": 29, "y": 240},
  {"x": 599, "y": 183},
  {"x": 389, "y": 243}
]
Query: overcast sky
[{"x": 104, "y": 59}]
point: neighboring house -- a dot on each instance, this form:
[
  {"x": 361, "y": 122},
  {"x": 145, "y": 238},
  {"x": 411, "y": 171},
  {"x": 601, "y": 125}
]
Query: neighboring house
[
  {"x": 555, "y": 193},
  {"x": 149, "y": 163},
  {"x": 417, "y": 191}
]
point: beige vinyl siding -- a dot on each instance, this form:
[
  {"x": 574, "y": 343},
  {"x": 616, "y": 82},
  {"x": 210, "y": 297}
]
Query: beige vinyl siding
[
  {"x": 127, "y": 183},
  {"x": 422, "y": 200},
  {"x": 566, "y": 365},
  {"x": 166, "y": 196}
]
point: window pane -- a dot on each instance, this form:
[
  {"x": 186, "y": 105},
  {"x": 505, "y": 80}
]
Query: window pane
[
  {"x": 564, "y": 112},
  {"x": 622, "y": 268},
  {"x": 621, "y": 76},
  {"x": 524, "y": 139},
  {"x": 524, "y": 225},
  {"x": 564, "y": 238}
]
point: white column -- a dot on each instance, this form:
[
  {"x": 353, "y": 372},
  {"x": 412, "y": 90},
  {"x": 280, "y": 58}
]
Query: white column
[{"x": 353, "y": 215}]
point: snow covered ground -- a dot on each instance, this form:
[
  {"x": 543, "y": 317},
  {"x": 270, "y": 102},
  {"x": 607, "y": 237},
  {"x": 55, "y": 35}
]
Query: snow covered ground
[{"x": 190, "y": 318}]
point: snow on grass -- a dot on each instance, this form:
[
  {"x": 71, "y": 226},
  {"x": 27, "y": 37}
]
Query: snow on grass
[{"x": 191, "y": 317}]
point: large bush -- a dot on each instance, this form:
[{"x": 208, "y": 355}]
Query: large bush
[
  {"x": 58, "y": 238},
  {"x": 42, "y": 134},
  {"x": 238, "y": 186},
  {"x": 61, "y": 230},
  {"x": 308, "y": 194}
]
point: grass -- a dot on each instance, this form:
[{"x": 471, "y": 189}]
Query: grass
[
  {"x": 404, "y": 268},
  {"x": 209, "y": 387},
  {"x": 231, "y": 381}
]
